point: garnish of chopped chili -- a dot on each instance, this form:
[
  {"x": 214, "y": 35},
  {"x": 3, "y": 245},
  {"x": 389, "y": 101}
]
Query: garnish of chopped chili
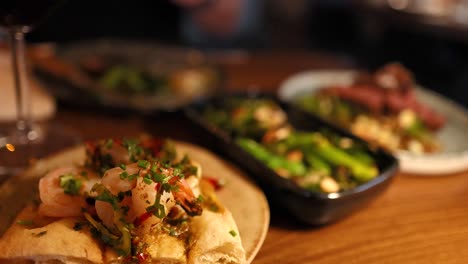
[
  {"x": 154, "y": 144},
  {"x": 215, "y": 182},
  {"x": 141, "y": 257},
  {"x": 157, "y": 187},
  {"x": 117, "y": 141},
  {"x": 140, "y": 219}
]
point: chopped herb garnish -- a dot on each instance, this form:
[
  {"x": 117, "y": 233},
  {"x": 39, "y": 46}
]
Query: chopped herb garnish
[
  {"x": 200, "y": 198},
  {"x": 214, "y": 208},
  {"x": 84, "y": 174},
  {"x": 125, "y": 210},
  {"x": 134, "y": 150},
  {"x": 122, "y": 195},
  {"x": 107, "y": 162},
  {"x": 70, "y": 184},
  {"x": 157, "y": 208},
  {"x": 233, "y": 233},
  {"x": 109, "y": 143},
  {"x": 25, "y": 222},
  {"x": 192, "y": 170},
  {"x": 131, "y": 177},
  {"x": 147, "y": 179},
  {"x": 143, "y": 164},
  {"x": 154, "y": 167},
  {"x": 172, "y": 232},
  {"x": 123, "y": 166},
  {"x": 160, "y": 178},
  {"x": 42, "y": 233},
  {"x": 123, "y": 175},
  {"x": 105, "y": 195},
  {"x": 185, "y": 159}
]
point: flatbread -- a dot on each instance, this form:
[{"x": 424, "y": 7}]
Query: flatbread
[
  {"x": 221, "y": 244},
  {"x": 211, "y": 239},
  {"x": 56, "y": 240}
]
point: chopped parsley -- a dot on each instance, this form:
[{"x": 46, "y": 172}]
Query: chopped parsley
[
  {"x": 25, "y": 222},
  {"x": 123, "y": 175},
  {"x": 121, "y": 195},
  {"x": 214, "y": 208},
  {"x": 233, "y": 233},
  {"x": 147, "y": 179},
  {"x": 132, "y": 176},
  {"x": 157, "y": 209},
  {"x": 133, "y": 148},
  {"x": 172, "y": 232},
  {"x": 109, "y": 143},
  {"x": 159, "y": 178},
  {"x": 105, "y": 195},
  {"x": 200, "y": 198},
  {"x": 143, "y": 164},
  {"x": 70, "y": 184}
]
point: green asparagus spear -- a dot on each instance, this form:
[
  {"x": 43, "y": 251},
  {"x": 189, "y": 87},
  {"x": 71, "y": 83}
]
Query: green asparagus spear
[
  {"x": 322, "y": 147},
  {"x": 336, "y": 156},
  {"x": 271, "y": 160},
  {"x": 317, "y": 163}
]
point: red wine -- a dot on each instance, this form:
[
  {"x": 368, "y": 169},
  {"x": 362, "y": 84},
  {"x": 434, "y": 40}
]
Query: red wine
[{"x": 24, "y": 12}]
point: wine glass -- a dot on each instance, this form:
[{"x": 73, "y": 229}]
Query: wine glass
[{"x": 26, "y": 140}]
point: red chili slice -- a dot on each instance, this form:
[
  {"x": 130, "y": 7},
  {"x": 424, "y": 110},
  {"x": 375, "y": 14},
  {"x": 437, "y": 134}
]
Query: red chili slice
[
  {"x": 155, "y": 144},
  {"x": 139, "y": 220},
  {"x": 141, "y": 257},
  {"x": 215, "y": 182}
]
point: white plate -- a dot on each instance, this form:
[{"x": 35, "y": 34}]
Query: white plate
[
  {"x": 453, "y": 137},
  {"x": 243, "y": 198}
]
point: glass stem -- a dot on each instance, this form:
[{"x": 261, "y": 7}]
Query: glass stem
[{"x": 23, "y": 122}]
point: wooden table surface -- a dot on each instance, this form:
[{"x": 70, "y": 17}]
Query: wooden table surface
[{"x": 417, "y": 220}]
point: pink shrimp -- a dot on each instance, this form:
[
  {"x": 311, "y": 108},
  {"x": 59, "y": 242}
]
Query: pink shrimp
[
  {"x": 142, "y": 208},
  {"x": 118, "y": 153},
  {"x": 185, "y": 197},
  {"x": 57, "y": 203},
  {"x": 143, "y": 196},
  {"x": 115, "y": 183}
]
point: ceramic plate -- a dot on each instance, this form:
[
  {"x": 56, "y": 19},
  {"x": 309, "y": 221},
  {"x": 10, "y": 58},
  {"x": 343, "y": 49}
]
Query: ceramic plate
[
  {"x": 453, "y": 137},
  {"x": 246, "y": 202}
]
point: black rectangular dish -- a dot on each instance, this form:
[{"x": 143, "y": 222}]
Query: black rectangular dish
[{"x": 308, "y": 205}]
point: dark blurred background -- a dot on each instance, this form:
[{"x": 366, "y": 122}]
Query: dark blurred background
[{"x": 429, "y": 37}]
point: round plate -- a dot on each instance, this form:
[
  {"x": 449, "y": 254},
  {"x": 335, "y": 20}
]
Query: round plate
[
  {"x": 246, "y": 202},
  {"x": 454, "y": 155},
  {"x": 59, "y": 68}
]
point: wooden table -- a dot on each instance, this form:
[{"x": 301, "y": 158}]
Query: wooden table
[{"x": 417, "y": 220}]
